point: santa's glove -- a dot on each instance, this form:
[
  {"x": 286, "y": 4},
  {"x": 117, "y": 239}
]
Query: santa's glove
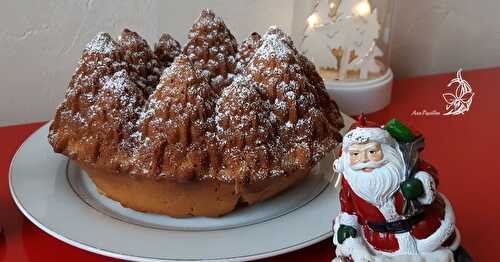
[
  {"x": 345, "y": 232},
  {"x": 412, "y": 188}
]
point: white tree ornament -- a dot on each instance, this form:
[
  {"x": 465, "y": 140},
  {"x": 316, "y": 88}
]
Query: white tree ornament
[{"x": 350, "y": 33}]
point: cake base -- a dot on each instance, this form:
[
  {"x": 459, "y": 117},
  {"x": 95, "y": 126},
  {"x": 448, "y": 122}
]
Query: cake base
[{"x": 209, "y": 198}]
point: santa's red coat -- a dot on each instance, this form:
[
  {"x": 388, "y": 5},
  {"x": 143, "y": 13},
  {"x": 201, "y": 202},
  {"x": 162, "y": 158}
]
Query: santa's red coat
[{"x": 368, "y": 213}]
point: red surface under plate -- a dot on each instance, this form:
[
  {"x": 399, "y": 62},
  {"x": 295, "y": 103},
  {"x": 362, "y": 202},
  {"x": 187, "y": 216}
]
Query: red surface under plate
[{"x": 465, "y": 150}]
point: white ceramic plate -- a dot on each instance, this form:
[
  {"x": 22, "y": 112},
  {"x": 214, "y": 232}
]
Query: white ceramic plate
[{"x": 54, "y": 194}]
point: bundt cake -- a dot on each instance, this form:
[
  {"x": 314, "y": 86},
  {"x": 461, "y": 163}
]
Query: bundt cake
[{"x": 222, "y": 125}]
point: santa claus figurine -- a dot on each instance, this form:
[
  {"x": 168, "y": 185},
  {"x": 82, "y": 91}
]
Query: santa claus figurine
[{"x": 390, "y": 209}]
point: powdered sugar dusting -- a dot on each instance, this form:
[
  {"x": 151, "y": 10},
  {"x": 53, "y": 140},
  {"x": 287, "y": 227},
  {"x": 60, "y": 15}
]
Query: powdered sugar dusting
[
  {"x": 273, "y": 47},
  {"x": 246, "y": 51},
  {"x": 212, "y": 48},
  {"x": 102, "y": 43},
  {"x": 166, "y": 50},
  {"x": 143, "y": 64},
  {"x": 117, "y": 82}
]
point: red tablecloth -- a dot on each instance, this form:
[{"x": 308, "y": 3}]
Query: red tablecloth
[{"x": 464, "y": 149}]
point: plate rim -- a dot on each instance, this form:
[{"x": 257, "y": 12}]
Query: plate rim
[{"x": 113, "y": 254}]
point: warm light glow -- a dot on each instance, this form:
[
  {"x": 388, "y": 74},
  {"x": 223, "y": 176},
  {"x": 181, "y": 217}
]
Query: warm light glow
[
  {"x": 332, "y": 5},
  {"x": 363, "y": 8},
  {"x": 314, "y": 20}
]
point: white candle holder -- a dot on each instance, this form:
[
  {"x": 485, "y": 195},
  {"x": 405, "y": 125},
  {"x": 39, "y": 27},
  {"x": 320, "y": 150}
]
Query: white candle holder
[{"x": 349, "y": 41}]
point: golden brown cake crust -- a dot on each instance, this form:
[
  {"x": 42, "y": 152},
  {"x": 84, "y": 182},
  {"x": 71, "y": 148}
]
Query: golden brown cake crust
[
  {"x": 198, "y": 123},
  {"x": 209, "y": 198},
  {"x": 212, "y": 48},
  {"x": 166, "y": 50},
  {"x": 246, "y": 50},
  {"x": 141, "y": 63}
]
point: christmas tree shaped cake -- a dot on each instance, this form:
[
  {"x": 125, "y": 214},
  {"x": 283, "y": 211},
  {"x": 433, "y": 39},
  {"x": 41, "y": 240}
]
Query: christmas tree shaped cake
[
  {"x": 304, "y": 132},
  {"x": 100, "y": 109},
  {"x": 246, "y": 50},
  {"x": 328, "y": 106},
  {"x": 244, "y": 130},
  {"x": 174, "y": 123},
  {"x": 166, "y": 50},
  {"x": 212, "y": 48},
  {"x": 141, "y": 61}
]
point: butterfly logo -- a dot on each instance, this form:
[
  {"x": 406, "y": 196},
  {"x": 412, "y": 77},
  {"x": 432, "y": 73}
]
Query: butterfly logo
[{"x": 460, "y": 102}]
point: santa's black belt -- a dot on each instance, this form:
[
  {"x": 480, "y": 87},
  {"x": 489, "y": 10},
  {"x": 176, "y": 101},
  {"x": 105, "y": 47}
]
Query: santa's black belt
[{"x": 396, "y": 227}]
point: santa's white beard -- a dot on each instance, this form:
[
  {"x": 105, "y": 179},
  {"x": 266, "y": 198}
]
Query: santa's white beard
[{"x": 379, "y": 185}]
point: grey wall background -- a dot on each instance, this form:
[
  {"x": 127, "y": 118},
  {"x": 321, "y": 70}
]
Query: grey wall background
[
  {"x": 434, "y": 36},
  {"x": 41, "y": 41}
]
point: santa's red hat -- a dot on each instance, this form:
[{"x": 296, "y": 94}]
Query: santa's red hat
[
  {"x": 362, "y": 121},
  {"x": 363, "y": 131}
]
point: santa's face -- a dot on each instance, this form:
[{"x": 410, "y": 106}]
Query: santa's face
[
  {"x": 363, "y": 153},
  {"x": 374, "y": 171}
]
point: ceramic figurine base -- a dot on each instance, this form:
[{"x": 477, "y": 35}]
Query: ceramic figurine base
[
  {"x": 460, "y": 255},
  {"x": 356, "y": 97}
]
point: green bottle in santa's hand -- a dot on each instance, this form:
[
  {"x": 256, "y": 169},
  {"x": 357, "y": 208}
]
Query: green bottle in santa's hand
[{"x": 399, "y": 131}]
